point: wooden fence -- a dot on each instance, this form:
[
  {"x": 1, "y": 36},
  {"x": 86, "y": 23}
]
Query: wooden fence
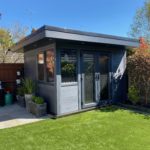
[
  {"x": 8, "y": 72},
  {"x": 8, "y": 76}
]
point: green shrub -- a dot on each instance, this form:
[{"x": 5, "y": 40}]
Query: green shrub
[
  {"x": 33, "y": 98},
  {"x": 29, "y": 86},
  {"x": 133, "y": 94},
  {"x": 38, "y": 100}
]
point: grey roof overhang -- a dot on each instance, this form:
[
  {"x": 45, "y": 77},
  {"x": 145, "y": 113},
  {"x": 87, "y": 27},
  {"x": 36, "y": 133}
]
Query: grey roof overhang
[{"x": 75, "y": 35}]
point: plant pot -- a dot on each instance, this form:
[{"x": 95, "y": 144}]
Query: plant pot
[
  {"x": 17, "y": 97},
  {"x": 28, "y": 99},
  {"x": 27, "y": 103},
  {"x": 8, "y": 98},
  {"x": 38, "y": 110},
  {"x": 21, "y": 100}
]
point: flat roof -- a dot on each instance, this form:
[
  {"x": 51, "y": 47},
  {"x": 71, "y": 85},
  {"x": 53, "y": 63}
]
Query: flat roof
[{"x": 74, "y": 35}]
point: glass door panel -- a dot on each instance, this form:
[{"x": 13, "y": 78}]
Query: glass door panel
[
  {"x": 95, "y": 78},
  {"x": 104, "y": 77},
  {"x": 89, "y": 78}
]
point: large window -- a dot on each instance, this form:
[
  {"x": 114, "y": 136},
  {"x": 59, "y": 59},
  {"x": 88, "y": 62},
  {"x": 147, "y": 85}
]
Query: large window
[
  {"x": 68, "y": 66},
  {"x": 41, "y": 66},
  {"x": 46, "y": 66}
]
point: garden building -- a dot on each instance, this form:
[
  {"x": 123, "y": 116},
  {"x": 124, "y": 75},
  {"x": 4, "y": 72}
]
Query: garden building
[{"x": 76, "y": 70}]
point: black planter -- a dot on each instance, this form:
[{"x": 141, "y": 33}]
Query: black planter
[
  {"x": 21, "y": 101},
  {"x": 2, "y": 102}
]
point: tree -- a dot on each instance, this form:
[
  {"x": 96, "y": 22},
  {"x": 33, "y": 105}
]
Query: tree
[
  {"x": 18, "y": 32},
  {"x": 141, "y": 23},
  {"x": 5, "y": 43},
  {"x": 139, "y": 70},
  {"x": 7, "y": 38}
]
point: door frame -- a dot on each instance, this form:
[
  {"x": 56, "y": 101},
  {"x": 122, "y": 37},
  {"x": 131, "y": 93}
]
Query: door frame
[
  {"x": 83, "y": 104},
  {"x": 96, "y": 55}
]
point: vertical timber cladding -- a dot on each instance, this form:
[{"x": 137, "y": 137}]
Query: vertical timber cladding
[
  {"x": 30, "y": 64},
  {"x": 68, "y": 99}
]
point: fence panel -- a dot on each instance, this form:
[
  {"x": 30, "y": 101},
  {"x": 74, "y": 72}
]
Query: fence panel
[
  {"x": 8, "y": 76},
  {"x": 8, "y": 72}
]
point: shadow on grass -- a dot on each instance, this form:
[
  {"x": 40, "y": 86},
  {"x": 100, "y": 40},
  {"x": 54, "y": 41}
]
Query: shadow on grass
[
  {"x": 108, "y": 108},
  {"x": 137, "y": 110},
  {"x": 146, "y": 115},
  {"x": 113, "y": 108}
]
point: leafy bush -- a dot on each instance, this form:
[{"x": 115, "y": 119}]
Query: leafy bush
[
  {"x": 38, "y": 100},
  {"x": 29, "y": 86},
  {"x": 33, "y": 98},
  {"x": 139, "y": 70},
  {"x": 133, "y": 94}
]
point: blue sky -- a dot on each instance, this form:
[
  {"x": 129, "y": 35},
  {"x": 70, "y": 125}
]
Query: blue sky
[{"x": 103, "y": 16}]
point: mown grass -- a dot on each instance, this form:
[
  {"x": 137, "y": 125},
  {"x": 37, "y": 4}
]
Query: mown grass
[{"x": 106, "y": 129}]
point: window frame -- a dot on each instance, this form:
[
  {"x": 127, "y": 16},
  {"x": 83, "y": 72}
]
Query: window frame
[
  {"x": 41, "y": 52},
  {"x": 71, "y": 83},
  {"x": 44, "y": 50},
  {"x": 46, "y": 76}
]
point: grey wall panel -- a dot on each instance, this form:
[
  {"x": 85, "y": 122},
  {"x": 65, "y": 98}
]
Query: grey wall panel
[
  {"x": 49, "y": 94},
  {"x": 118, "y": 73},
  {"x": 68, "y": 99},
  {"x": 30, "y": 64},
  {"x": 44, "y": 89}
]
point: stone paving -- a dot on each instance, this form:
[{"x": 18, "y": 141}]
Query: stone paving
[{"x": 14, "y": 115}]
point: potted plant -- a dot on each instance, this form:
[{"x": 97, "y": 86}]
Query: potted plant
[
  {"x": 37, "y": 106},
  {"x": 20, "y": 96},
  {"x": 29, "y": 91}
]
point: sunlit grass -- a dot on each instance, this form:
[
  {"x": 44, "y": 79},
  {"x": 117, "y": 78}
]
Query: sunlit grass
[{"x": 107, "y": 129}]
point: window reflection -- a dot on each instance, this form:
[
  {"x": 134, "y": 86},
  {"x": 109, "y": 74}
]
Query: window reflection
[
  {"x": 50, "y": 65},
  {"x": 104, "y": 77},
  {"x": 68, "y": 66},
  {"x": 41, "y": 66}
]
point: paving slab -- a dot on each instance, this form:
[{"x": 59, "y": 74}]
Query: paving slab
[{"x": 15, "y": 115}]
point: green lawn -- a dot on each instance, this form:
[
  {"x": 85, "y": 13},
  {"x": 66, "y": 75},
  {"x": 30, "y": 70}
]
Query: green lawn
[{"x": 107, "y": 129}]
